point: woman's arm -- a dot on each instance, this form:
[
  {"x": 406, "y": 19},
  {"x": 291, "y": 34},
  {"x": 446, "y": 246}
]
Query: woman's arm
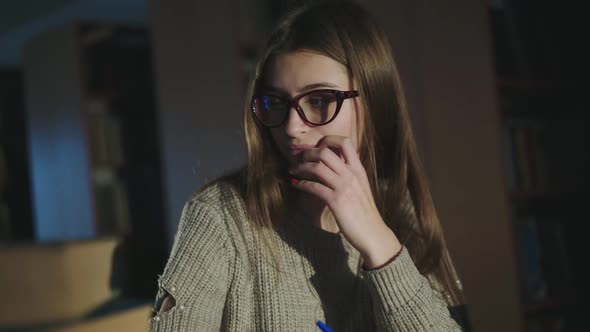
[
  {"x": 403, "y": 299},
  {"x": 193, "y": 287}
]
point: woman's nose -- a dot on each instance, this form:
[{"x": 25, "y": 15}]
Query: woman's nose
[{"x": 294, "y": 125}]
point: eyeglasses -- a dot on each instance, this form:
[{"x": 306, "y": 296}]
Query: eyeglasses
[{"x": 316, "y": 107}]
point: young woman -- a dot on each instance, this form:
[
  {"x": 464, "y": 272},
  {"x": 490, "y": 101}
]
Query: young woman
[{"x": 331, "y": 220}]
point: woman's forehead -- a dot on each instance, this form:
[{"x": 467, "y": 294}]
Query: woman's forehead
[{"x": 299, "y": 71}]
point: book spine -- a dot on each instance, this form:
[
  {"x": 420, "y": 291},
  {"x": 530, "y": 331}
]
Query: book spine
[{"x": 529, "y": 255}]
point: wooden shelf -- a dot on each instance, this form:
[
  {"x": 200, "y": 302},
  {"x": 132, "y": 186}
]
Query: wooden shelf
[
  {"x": 521, "y": 196},
  {"x": 541, "y": 113},
  {"x": 574, "y": 196},
  {"x": 557, "y": 304},
  {"x": 525, "y": 84},
  {"x": 108, "y": 166}
]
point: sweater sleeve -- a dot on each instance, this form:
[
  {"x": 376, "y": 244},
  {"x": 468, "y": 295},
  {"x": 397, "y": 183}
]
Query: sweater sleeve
[
  {"x": 403, "y": 299},
  {"x": 196, "y": 274}
]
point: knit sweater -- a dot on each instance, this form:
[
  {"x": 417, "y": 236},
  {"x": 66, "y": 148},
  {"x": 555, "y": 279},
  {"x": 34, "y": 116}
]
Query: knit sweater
[{"x": 222, "y": 280}]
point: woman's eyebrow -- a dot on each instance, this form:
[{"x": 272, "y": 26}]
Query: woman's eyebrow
[
  {"x": 272, "y": 89},
  {"x": 303, "y": 89},
  {"x": 318, "y": 85}
]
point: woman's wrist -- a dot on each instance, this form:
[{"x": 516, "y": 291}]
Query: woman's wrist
[{"x": 385, "y": 248}]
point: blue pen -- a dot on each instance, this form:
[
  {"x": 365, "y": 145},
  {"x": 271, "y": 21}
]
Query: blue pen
[{"x": 323, "y": 326}]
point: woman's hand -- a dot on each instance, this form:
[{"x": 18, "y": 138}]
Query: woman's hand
[{"x": 341, "y": 182}]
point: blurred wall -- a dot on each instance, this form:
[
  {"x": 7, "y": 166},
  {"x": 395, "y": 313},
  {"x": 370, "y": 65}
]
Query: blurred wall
[
  {"x": 444, "y": 53},
  {"x": 199, "y": 95},
  {"x": 60, "y": 169}
]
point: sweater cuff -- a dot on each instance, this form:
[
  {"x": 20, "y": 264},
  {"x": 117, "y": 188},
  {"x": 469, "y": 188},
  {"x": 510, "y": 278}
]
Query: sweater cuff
[{"x": 395, "y": 284}]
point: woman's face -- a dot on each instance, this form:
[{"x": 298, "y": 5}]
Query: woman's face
[{"x": 294, "y": 73}]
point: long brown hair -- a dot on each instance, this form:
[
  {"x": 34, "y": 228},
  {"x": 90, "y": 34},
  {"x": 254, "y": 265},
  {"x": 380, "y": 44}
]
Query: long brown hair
[{"x": 346, "y": 33}]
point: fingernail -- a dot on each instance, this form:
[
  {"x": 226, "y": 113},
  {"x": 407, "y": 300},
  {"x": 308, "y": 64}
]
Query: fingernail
[{"x": 294, "y": 181}]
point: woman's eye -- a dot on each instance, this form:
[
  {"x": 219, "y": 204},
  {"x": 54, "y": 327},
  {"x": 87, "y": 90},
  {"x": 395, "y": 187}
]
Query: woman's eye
[
  {"x": 318, "y": 102},
  {"x": 273, "y": 102}
]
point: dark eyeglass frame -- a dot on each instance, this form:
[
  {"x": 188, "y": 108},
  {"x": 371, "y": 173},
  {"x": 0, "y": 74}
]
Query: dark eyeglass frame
[{"x": 294, "y": 103}]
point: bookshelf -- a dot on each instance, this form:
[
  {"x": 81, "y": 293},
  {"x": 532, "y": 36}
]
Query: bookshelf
[
  {"x": 125, "y": 145},
  {"x": 16, "y": 222},
  {"x": 94, "y": 142},
  {"x": 544, "y": 145},
  {"x": 5, "y": 221}
]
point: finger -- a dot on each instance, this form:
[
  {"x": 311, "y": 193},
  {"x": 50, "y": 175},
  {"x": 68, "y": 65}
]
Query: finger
[
  {"x": 350, "y": 155},
  {"x": 326, "y": 156},
  {"x": 344, "y": 145},
  {"x": 316, "y": 171},
  {"x": 315, "y": 188}
]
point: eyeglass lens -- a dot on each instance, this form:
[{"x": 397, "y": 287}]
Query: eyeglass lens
[{"x": 318, "y": 108}]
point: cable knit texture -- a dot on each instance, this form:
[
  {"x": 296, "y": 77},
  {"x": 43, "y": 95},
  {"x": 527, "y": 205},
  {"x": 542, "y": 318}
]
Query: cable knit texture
[{"x": 221, "y": 279}]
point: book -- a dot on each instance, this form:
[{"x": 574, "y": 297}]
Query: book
[
  {"x": 509, "y": 160},
  {"x": 526, "y": 147},
  {"x": 112, "y": 204},
  {"x": 104, "y": 134},
  {"x": 523, "y": 162},
  {"x": 547, "y": 324},
  {"x": 533, "y": 284},
  {"x": 5, "y": 222},
  {"x": 3, "y": 170},
  {"x": 554, "y": 256},
  {"x": 539, "y": 153}
]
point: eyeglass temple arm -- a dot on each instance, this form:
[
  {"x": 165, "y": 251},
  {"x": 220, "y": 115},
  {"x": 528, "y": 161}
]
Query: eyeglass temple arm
[{"x": 349, "y": 94}]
